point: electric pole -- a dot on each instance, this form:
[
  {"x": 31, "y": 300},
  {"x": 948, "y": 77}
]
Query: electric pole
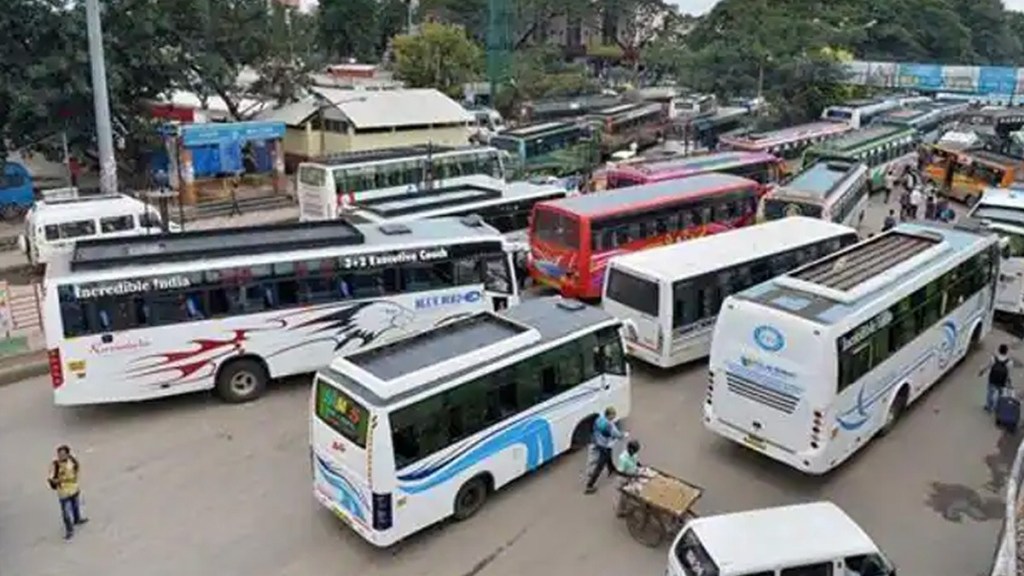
[{"x": 101, "y": 101}]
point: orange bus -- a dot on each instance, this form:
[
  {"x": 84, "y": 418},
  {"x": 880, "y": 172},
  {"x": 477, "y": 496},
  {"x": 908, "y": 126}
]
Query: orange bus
[
  {"x": 964, "y": 175},
  {"x": 571, "y": 240}
]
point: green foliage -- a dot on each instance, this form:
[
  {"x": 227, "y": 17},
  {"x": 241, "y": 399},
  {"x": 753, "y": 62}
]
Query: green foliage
[
  {"x": 441, "y": 56},
  {"x": 360, "y": 29}
]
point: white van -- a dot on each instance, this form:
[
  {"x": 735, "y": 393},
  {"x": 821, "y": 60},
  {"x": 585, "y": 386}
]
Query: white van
[
  {"x": 62, "y": 217},
  {"x": 816, "y": 539}
]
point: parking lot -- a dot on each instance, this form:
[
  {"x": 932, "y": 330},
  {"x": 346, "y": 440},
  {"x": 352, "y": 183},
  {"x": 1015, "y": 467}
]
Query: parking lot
[{"x": 191, "y": 486}]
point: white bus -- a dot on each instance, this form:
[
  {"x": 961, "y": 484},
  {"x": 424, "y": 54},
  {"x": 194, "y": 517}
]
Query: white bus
[
  {"x": 332, "y": 182},
  {"x": 672, "y": 294},
  {"x": 808, "y": 367},
  {"x": 1002, "y": 211},
  {"x": 54, "y": 224},
  {"x": 859, "y": 113},
  {"x": 815, "y": 539},
  {"x": 832, "y": 189},
  {"x": 151, "y": 316},
  {"x": 405, "y": 435}
]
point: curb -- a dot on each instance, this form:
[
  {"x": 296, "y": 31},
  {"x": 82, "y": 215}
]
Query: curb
[{"x": 22, "y": 366}]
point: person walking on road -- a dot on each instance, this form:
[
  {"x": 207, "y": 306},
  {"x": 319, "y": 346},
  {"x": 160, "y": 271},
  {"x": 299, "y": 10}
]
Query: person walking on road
[
  {"x": 998, "y": 376},
  {"x": 606, "y": 433},
  {"x": 64, "y": 480},
  {"x": 890, "y": 221},
  {"x": 916, "y": 199}
]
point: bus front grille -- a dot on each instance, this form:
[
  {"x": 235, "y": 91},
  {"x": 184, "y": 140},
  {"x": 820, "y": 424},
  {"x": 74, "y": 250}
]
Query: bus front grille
[{"x": 760, "y": 393}]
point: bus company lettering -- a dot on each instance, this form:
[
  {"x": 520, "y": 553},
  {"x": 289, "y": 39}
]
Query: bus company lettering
[
  {"x": 470, "y": 297},
  {"x": 865, "y": 330},
  {"x": 125, "y": 287},
  {"x": 392, "y": 258},
  {"x": 126, "y": 346}
]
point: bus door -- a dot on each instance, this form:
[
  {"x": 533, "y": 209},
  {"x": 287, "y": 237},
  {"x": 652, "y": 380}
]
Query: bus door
[
  {"x": 500, "y": 283},
  {"x": 1010, "y": 289}
]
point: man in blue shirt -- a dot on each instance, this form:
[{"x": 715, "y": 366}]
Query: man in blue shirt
[{"x": 606, "y": 433}]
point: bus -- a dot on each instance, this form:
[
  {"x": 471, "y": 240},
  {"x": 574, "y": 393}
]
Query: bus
[
  {"x": 965, "y": 174},
  {"x": 759, "y": 166},
  {"x": 671, "y": 295},
  {"x": 859, "y": 113},
  {"x": 1001, "y": 122},
  {"x": 571, "y": 240},
  {"x": 334, "y": 179},
  {"x": 787, "y": 143},
  {"x": 407, "y": 434},
  {"x": 808, "y": 367},
  {"x": 643, "y": 124},
  {"x": 563, "y": 109},
  {"x": 930, "y": 120},
  {"x": 549, "y": 148},
  {"x": 1001, "y": 210},
  {"x": 150, "y": 316},
  {"x": 833, "y": 189},
  {"x": 506, "y": 206},
  {"x": 887, "y": 150}
]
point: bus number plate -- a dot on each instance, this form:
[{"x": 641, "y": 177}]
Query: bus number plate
[{"x": 755, "y": 442}]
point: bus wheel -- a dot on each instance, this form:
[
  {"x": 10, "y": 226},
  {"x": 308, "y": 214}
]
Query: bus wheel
[
  {"x": 241, "y": 381},
  {"x": 581, "y": 435},
  {"x": 976, "y": 338},
  {"x": 471, "y": 498},
  {"x": 895, "y": 411}
]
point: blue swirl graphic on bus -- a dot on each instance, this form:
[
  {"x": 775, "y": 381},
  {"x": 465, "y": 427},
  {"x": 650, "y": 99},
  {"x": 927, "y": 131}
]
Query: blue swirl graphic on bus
[
  {"x": 533, "y": 433},
  {"x": 549, "y": 268},
  {"x": 769, "y": 339},
  {"x": 349, "y": 497},
  {"x": 949, "y": 332}
]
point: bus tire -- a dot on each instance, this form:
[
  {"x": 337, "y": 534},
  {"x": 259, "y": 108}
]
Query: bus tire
[
  {"x": 471, "y": 498},
  {"x": 976, "y": 337},
  {"x": 242, "y": 380},
  {"x": 899, "y": 404},
  {"x": 581, "y": 434}
]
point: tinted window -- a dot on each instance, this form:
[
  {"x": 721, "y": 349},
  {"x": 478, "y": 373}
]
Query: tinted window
[
  {"x": 556, "y": 228},
  {"x": 312, "y": 175},
  {"x": 694, "y": 559},
  {"x": 636, "y": 293},
  {"x": 777, "y": 208},
  {"x": 116, "y": 224},
  {"x": 77, "y": 229},
  {"x": 809, "y": 570},
  {"x": 344, "y": 415}
]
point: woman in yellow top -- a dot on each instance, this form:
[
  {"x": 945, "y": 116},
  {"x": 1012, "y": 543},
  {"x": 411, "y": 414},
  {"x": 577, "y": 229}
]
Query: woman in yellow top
[{"x": 64, "y": 479}]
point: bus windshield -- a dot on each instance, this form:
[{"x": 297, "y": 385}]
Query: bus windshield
[
  {"x": 776, "y": 208},
  {"x": 556, "y": 228},
  {"x": 341, "y": 413},
  {"x": 694, "y": 559}
]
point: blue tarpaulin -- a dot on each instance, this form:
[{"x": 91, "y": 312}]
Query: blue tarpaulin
[{"x": 232, "y": 148}]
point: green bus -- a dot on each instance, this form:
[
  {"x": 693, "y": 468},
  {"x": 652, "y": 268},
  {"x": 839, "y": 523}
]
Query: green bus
[
  {"x": 549, "y": 148},
  {"x": 885, "y": 148}
]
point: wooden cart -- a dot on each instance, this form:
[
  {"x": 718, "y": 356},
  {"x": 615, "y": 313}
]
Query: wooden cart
[{"x": 656, "y": 505}]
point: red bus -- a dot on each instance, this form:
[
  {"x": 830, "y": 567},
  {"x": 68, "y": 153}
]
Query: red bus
[
  {"x": 571, "y": 240},
  {"x": 760, "y": 166}
]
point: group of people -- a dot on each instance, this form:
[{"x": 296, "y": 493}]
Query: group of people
[{"x": 916, "y": 201}]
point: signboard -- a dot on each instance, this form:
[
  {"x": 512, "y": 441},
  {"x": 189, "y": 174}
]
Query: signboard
[
  {"x": 997, "y": 80},
  {"x": 960, "y": 78},
  {"x": 881, "y": 74},
  {"x": 218, "y": 134},
  {"x": 919, "y": 77}
]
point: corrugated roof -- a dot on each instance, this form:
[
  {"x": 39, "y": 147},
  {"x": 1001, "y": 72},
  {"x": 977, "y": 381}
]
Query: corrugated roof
[
  {"x": 394, "y": 108},
  {"x": 294, "y": 114}
]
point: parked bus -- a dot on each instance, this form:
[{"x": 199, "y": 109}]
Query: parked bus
[
  {"x": 930, "y": 120},
  {"x": 625, "y": 124},
  {"x": 1001, "y": 122},
  {"x": 859, "y": 113},
  {"x": 819, "y": 539},
  {"x": 1002, "y": 211},
  {"x": 407, "y": 434},
  {"x": 786, "y": 143},
  {"x": 965, "y": 174},
  {"x": 564, "y": 109},
  {"x": 351, "y": 176},
  {"x": 571, "y": 240},
  {"x": 759, "y": 166},
  {"x": 832, "y": 189},
  {"x": 671, "y": 295},
  {"x": 150, "y": 316},
  {"x": 886, "y": 149},
  {"x": 550, "y": 148},
  {"x": 808, "y": 367}
]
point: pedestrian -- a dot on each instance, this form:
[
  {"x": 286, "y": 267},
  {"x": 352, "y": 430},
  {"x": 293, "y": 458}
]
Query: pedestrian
[
  {"x": 63, "y": 479},
  {"x": 904, "y": 206},
  {"x": 929, "y": 206},
  {"x": 629, "y": 460},
  {"x": 890, "y": 183},
  {"x": 942, "y": 208},
  {"x": 998, "y": 370},
  {"x": 606, "y": 433},
  {"x": 916, "y": 199},
  {"x": 890, "y": 221}
]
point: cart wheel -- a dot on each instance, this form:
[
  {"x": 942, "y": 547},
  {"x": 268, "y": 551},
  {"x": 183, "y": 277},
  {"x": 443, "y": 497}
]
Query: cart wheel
[{"x": 645, "y": 528}]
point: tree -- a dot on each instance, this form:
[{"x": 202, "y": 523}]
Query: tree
[
  {"x": 441, "y": 56},
  {"x": 350, "y": 28}
]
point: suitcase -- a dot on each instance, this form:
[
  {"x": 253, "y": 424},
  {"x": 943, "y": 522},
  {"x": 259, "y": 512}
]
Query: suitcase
[{"x": 1008, "y": 411}]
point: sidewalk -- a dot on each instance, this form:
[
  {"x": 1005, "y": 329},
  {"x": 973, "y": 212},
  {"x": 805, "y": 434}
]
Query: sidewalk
[{"x": 21, "y": 366}]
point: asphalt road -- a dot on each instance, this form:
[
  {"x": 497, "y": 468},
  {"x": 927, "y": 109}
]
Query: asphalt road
[{"x": 191, "y": 486}]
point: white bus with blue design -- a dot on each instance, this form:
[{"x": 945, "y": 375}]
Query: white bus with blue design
[
  {"x": 808, "y": 367},
  {"x": 410, "y": 433}
]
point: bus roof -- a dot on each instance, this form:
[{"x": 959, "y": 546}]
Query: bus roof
[
  {"x": 702, "y": 255},
  {"x": 755, "y": 540},
  {"x": 535, "y": 129},
  {"x": 830, "y": 289},
  {"x": 862, "y": 136},
  {"x": 410, "y": 366},
  {"x": 822, "y": 178},
  {"x": 206, "y": 245},
  {"x": 783, "y": 135},
  {"x": 626, "y": 199},
  {"x": 386, "y": 154},
  {"x": 713, "y": 162},
  {"x": 470, "y": 190},
  {"x": 994, "y": 157}
]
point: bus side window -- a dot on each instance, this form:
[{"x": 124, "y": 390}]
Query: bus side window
[{"x": 194, "y": 306}]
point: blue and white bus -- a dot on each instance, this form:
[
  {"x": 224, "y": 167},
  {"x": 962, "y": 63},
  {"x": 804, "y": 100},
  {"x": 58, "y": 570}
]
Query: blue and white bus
[
  {"x": 407, "y": 434},
  {"x": 808, "y": 367},
  {"x": 859, "y": 113}
]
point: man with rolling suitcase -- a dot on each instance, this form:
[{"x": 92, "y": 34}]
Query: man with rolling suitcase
[{"x": 999, "y": 396}]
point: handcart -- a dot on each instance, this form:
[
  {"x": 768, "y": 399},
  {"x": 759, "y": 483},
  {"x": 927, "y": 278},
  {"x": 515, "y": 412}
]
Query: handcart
[{"x": 656, "y": 505}]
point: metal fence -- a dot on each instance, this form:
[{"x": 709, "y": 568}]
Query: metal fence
[{"x": 1005, "y": 561}]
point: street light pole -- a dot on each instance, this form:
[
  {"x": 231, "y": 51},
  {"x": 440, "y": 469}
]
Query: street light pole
[{"x": 101, "y": 102}]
